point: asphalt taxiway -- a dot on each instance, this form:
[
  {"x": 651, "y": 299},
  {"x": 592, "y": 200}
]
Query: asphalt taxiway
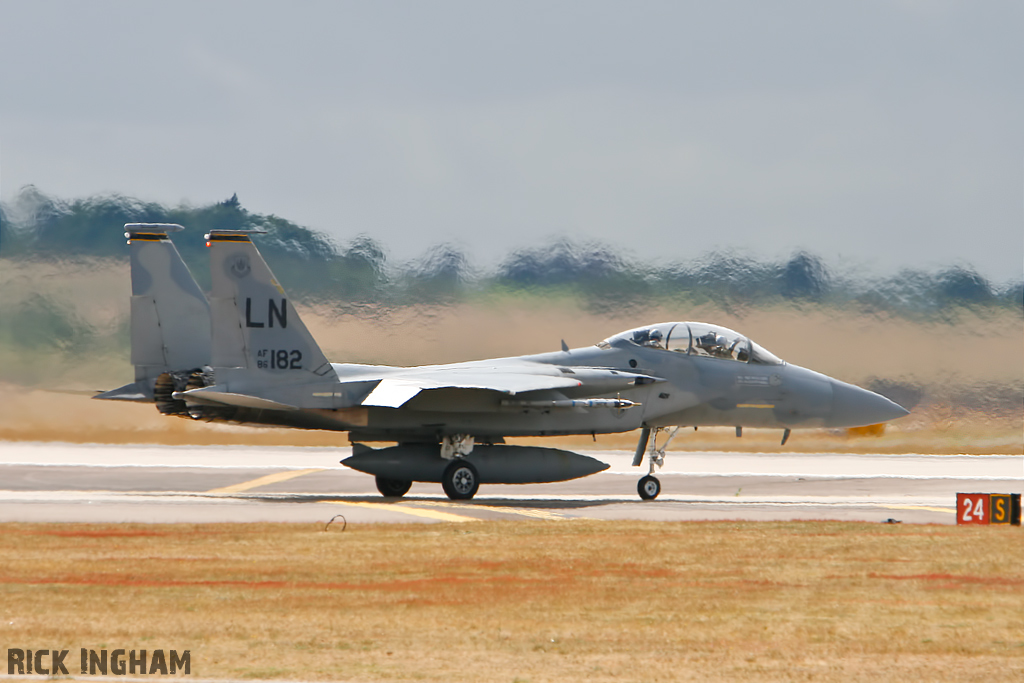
[{"x": 55, "y": 482}]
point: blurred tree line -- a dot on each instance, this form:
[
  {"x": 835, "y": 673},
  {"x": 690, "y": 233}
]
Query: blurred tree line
[{"x": 37, "y": 226}]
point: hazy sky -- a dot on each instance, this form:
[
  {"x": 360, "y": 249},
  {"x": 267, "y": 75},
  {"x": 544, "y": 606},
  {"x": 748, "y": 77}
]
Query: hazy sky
[{"x": 876, "y": 134}]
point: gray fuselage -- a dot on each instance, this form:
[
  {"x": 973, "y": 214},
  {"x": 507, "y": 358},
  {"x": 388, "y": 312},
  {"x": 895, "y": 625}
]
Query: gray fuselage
[{"x": 690, "y": 390}]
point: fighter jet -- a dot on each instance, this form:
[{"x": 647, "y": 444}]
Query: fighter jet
[{"x": 244, "y": 356}]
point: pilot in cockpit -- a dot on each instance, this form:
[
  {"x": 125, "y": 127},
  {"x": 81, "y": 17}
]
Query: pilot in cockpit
[
  {"x": 710, "y": 343},
  {"x": 651, "y": 338},
  {"x": 715, "y": 345}
]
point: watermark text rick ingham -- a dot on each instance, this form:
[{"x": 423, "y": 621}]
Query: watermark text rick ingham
[{"x": 117, "y": 662}]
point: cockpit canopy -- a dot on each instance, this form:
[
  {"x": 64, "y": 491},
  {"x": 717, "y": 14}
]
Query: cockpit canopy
[{"x": 697, "y": 339}]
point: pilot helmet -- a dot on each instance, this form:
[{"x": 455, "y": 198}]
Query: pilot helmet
[{"x": 656, "y": 336}]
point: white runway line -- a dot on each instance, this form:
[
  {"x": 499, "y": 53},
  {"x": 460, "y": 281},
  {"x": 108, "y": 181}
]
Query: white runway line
[
  {"x": 916, "y": 466},
  {"x": 691, "y": 464},
  {"x": 820, "y": 477},
  {"x": 492, "y": 503},
  {"x": 218, "y": 457}
]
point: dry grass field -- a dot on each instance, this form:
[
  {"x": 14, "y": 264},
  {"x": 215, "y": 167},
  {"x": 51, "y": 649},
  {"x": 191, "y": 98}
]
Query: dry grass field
[{"x": 529, "y": 601}]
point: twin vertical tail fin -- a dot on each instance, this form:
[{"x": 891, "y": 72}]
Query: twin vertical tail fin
[
  {"x": 170, "y": 316},
  {"x": 249, "y": 329},
  {"x": 255, "y": 326}
]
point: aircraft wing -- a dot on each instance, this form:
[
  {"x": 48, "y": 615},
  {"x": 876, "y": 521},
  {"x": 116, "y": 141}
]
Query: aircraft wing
[{"x": 396, "y": 390}]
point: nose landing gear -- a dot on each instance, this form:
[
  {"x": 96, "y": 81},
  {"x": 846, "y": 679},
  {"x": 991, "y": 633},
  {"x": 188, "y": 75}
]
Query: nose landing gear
[{"x": 649, "y": 487}]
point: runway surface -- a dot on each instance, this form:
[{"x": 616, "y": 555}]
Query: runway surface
[{"x": 53, "y": 482}]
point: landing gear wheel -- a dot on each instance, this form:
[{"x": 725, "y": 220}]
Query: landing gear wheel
[
  {"x": 649, "y": 487},
  {"x": 392, "y": 488},
  {"x": 460, "y": 480}
]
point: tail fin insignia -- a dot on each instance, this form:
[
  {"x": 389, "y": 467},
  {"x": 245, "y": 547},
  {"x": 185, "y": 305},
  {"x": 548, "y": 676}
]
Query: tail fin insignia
[
  {"x": 275, "y": 311},
  {"x": 254, "y": 323}
]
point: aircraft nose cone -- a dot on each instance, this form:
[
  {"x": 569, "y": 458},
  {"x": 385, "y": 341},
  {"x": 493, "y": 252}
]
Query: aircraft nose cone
[{"x": 856, "y": 407}]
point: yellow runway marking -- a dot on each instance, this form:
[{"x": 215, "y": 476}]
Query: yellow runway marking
[
  {"x": 920, "y": 507},
  {"x": 534, "y": 513},
  {"x": 263, "y": 481},
  {"x": 416, "y": 512}
]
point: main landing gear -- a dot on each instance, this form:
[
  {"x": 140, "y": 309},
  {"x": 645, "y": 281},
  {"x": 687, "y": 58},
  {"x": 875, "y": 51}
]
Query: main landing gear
[
  {"x": 392, "y": 488},
  {"x": 460, "y": 480},
  {"x": 649, "y": 487}
]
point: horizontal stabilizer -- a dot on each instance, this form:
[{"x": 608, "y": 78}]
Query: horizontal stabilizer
[
  {"x": 136, "y": 391},
  {"x": 229, "y": 399}
]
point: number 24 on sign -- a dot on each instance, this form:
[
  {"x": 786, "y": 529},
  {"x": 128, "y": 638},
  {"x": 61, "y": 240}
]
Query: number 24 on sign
[{"x": 983, "y": 508}]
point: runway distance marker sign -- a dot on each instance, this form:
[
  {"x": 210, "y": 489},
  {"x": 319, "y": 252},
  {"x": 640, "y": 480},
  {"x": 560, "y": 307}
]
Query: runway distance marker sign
[{"x": 988, "y": 508}]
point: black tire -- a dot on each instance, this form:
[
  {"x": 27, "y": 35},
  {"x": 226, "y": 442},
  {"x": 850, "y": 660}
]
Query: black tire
[
  {"x": 460, "y": 480},
  {"x": 649, "y": 487},
  {"x": 392, "y": 488}
]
